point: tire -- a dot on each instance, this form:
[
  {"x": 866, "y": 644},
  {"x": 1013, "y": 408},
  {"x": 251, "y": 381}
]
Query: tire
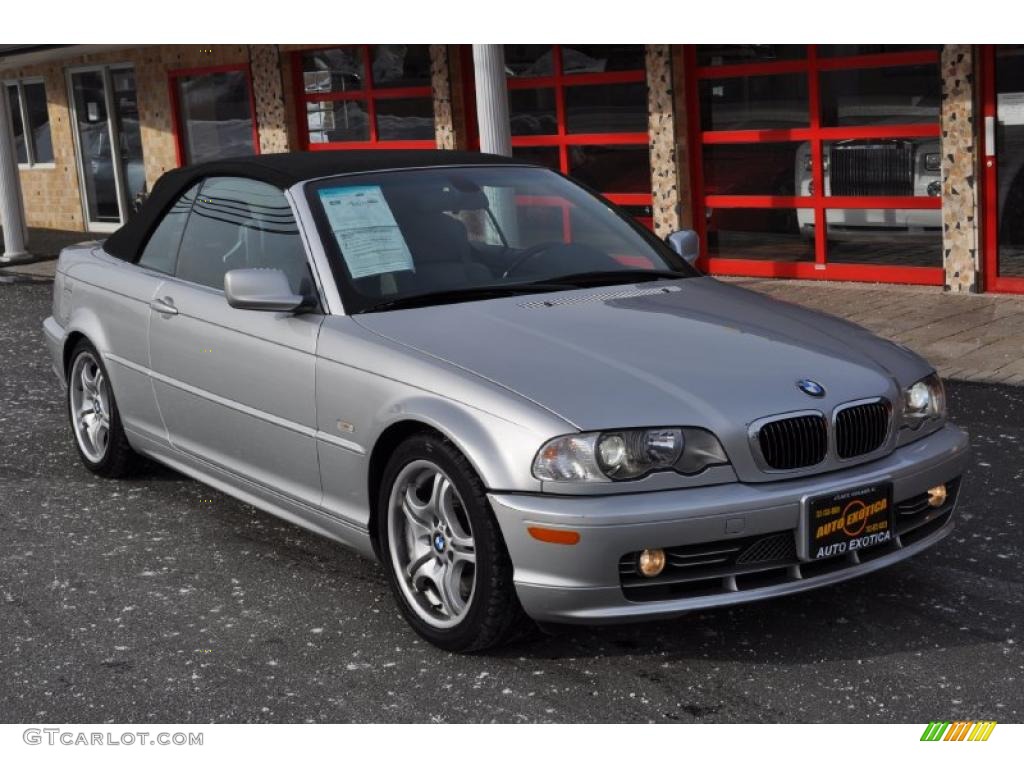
[
  {"x": 433, "y": 515},
  {"x": 103, "y": 448}
]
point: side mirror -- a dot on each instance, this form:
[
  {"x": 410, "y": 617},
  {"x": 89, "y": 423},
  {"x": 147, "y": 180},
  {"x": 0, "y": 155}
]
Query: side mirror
[
  {"x": 686, "y": 243},
  {"x": 262, "y": 290}
]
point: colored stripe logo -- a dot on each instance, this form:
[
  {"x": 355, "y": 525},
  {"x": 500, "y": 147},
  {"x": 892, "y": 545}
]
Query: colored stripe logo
[{"x": 960, "y": 730}]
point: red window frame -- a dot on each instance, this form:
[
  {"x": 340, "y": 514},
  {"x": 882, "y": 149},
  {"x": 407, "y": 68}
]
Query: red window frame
[
  {"x": 562, "y": 139},
  {"x": 816, "y": 135},
  {"x": 371, "y": 94},
  {"x": 992, "y": 280},
  {"x": 172, "y": 83}
]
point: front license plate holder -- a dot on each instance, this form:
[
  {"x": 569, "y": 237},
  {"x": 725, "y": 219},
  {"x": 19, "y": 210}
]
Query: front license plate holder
[{"x": 848, "y": 520}]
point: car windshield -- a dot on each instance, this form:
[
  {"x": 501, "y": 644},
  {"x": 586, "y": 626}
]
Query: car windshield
[{"x": 439, "y": 235}]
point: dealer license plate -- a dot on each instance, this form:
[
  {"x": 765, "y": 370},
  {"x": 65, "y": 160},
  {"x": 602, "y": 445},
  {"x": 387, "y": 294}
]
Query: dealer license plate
[{"x": 849, "y": 520}]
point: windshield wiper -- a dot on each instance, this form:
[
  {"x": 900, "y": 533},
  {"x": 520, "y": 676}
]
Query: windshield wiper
[
  {"x": 560, "y": 283},
  {"x": 609, "y": 277},
  {"x": 471, "y": 293}
]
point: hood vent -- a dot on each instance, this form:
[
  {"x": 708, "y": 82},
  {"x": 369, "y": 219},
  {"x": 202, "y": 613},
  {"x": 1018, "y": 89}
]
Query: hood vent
[{"x": 621, "y": 293}]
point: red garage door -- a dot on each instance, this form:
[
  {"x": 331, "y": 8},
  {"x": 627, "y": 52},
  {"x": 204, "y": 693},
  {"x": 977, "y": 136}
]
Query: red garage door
[
  {"x": 818, "y": 161},
  {"x": 364, "y": 97},
  {"x": 582, "y": 110}
]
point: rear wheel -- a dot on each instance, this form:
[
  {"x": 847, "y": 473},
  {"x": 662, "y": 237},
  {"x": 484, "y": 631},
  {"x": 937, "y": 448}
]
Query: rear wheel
[
  {"x": 95, "y": 420},
  {"x": 445, "y": 557}
]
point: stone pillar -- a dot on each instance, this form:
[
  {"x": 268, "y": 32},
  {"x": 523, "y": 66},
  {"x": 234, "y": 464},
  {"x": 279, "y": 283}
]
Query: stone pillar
[
  {"x": 492, "y": 99},
  {"x": 268, "y": 93},
  {"x": 441, "y": 88},
  {"x": 661, "y": 129},
  {"x": 12, "y": 213},
  {"x": 960, "y": 239}
]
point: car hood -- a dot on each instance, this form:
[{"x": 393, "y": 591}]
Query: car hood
[{"x": 690, "y": 352}]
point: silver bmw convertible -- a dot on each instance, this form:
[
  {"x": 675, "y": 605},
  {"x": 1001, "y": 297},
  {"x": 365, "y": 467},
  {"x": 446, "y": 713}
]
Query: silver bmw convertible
[{"x": 488, "y": 377}]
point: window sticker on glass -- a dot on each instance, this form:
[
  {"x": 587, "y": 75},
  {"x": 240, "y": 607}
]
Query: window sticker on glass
[{"x": 368, "y": 235}]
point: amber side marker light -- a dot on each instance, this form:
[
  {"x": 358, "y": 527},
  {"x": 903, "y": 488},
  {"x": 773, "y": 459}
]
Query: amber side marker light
[
  {"x": 937, "y": 496},
  {"x": 651, "y": 562},
  {"x": 554, "y": 535}
]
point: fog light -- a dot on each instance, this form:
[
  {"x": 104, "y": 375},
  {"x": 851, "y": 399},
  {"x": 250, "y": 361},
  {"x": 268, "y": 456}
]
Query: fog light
[
  {"x": 937, "y": 496},
  {"x": 652, "y": 562}
]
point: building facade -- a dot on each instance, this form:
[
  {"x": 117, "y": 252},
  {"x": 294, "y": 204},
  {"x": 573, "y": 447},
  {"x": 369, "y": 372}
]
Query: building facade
[{"x": 886, "y": 163}]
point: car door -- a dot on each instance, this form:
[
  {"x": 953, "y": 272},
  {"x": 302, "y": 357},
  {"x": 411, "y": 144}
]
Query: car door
[{"x": 235, "y": 387}]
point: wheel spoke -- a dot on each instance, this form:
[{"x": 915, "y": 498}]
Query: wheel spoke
[
  {"x": 89, "y": 378},
  {"x": 463, "y": 551},
  {"x": 439, "y": 488},
  {"x": 102, "y": 435},
  {"x": 451, "y": 590},
  {"x": 92, "y": 430},
  {"x": 416, "y": 512},
  {"x": 445, "y": 501},
  {"x": 415, "y": 566}
]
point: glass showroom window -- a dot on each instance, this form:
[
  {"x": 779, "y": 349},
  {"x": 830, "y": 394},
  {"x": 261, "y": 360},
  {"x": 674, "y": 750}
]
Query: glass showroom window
[
  {"x": 362, "y": 96},
  {"x": 582, "y": 110},
  {"x": 214, "y": 113},
  {"x": 30, "y": 121},
  {"x": 818, "y": 161}
]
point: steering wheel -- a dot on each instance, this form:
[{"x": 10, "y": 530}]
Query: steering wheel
[{"x": 529, "y": 254}]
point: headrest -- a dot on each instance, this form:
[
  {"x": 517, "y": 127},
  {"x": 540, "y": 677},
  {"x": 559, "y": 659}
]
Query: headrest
[{"x": 428, "y": 200}]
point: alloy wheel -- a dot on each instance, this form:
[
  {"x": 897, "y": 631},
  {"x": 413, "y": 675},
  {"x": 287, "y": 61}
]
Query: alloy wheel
[
  {"x": 431, "y": 544},
  {"x": 90, "y": 406}
]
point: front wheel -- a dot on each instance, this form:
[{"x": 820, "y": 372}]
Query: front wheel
[{"x": 445, "y": 557}]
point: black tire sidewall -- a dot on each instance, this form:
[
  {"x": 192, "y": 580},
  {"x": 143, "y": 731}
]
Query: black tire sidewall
[{"x": 488, "y": 544}]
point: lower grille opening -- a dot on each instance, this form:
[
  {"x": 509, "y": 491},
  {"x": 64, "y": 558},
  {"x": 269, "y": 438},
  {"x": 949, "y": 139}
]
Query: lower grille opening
[
  {"x": 915, "y": 511},
  {"x": 727, "y": 566},
  {"x": 821, "y": 567},
  {"x": 701, "y": 588},
  {"x": 763, "y": 578},
  {"x": 925, "y": 530}
]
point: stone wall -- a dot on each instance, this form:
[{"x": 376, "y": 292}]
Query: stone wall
[
  {"x": 662, "y": 139},
  {"x": 441, "y": 87},
  {"x": 268, "y": 94},
  {"x": 959, "y": 171}
]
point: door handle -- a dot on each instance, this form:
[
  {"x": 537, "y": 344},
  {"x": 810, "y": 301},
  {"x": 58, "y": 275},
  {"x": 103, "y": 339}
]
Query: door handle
[
  {"x": 164, "y": 306},
  {"x": 990, "y": 136}
]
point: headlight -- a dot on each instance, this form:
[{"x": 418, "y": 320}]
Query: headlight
[
  {"x": 627, "y": 454},
  {"x": 933, "y": 162},
  {"x": 924, "y": 400}
]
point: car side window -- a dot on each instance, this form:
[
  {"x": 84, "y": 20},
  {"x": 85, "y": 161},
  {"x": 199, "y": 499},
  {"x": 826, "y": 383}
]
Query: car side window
[
  {"x": 161, "y": 251},
  {"x": 239, "y": 223}
]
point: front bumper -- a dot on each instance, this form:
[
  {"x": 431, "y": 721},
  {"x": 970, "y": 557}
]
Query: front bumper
[{"x": 581, "y": 583}]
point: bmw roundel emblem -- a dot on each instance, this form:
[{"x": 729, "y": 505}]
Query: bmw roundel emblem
[
  {"x": 439, "y": 542},
  {"x": 811, "y": 387}
]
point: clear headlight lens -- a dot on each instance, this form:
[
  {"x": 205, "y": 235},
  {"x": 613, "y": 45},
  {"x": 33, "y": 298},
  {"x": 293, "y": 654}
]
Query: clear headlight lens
[
  {"x": 627, "y": 454},
  {"x": 933, "y": 162},
  {"x": 924, "y": 399}
]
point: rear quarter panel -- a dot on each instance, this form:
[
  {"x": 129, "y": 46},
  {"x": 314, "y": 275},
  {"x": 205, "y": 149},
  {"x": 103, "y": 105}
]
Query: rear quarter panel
[{"x": 108, "y": 303}]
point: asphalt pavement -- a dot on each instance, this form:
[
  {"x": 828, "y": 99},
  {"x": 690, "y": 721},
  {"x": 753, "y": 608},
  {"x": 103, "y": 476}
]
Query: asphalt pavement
[{"x": 157, "y": 599}]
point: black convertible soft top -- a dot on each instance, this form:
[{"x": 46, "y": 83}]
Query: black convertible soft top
[{"x": 282, "y": 170}]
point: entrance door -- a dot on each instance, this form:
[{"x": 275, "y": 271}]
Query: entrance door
[
  {"x": 1003, "y": 166},
  {"x": 106, "y": 119}
]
